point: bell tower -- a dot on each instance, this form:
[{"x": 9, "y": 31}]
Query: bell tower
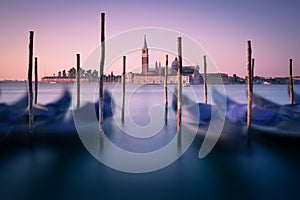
[{"x": 145, "y": 58}]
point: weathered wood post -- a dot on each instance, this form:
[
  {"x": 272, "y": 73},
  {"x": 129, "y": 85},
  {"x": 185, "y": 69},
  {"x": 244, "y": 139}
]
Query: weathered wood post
[
  {"x": 291, "y": 88},
  {"x": 123, "y": 87},
  {"x": 35, "y": 80},
  {"x": 29, "y": 83},
  {"x": 101, "y": 73},
  {"x": 249, "y": 109},
  {"x": 78, "y": 79},
  {"x": 204, "y": 80},
  {"x": 179, "y": 95},
  {"x": 166, "y": 89},
  {"x": 252, "y": 74}
]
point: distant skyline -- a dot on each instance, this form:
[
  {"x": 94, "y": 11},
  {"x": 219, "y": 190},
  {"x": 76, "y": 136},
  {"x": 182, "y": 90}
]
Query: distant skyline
[{"x": 222, "y": 28}]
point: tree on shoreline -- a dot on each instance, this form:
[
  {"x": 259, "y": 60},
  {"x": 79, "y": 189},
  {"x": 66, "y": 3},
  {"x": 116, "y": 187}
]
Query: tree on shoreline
[
  {"x": 64, "y": 74},
  {"x": 72, "y": 73}
]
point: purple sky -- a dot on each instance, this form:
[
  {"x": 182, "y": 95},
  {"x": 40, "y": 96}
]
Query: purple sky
[{"x": 64, "y": 28}]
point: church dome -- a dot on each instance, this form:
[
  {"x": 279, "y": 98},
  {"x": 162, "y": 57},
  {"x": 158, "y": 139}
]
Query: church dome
[{"x": 175, "y": 64}]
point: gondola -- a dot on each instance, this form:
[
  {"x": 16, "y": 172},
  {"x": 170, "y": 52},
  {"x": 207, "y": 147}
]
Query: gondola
[
  {"x": 269, "y": 119},
  {"x": 209, "y": 123},
  {"x": 9, "y": 110},
  {"x": 15, "y": 117},
  {"x": 288, "y": 126}
]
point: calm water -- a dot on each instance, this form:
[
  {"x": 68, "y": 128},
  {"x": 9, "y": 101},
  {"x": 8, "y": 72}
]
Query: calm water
[
  {"x": 49, "y": 92},
  {"x": 264, "y": 170}
]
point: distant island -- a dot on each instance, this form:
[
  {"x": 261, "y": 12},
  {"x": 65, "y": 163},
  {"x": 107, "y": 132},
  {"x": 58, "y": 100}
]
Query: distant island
[
  {"x": 190, "y": 75},
  {"x": 86, "y": 76},
  {"x": 194, "y": 78}
]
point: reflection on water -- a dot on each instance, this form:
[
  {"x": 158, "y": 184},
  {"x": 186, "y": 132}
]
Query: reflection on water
[
  {"x": 49, "y": 92},
  {"x": 264, "y": 170},
  {"x": 73, "y": 173}
]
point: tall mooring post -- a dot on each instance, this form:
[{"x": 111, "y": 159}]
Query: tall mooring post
[
  {"x": 291, "y": 87},
  {"x": 78, "y": 79},
  {"x": 29, "y": 83},
  {"x": 166, "y": 89},
  {"x": 101, "y": 73},
  {"x": 204, "y": 80},
  {"x": 179, "y": 94},
  {"x": 252, "y": 74},
  {"x": 35, "y": 80},
  {"x": 249, "y": 79},
  {"x": 123, "y": 88}
]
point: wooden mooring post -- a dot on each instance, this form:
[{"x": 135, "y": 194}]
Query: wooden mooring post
[
  {"x": 179, "y": 94},
  {"x": 123, "y": 88},
  {"x": 249, "y": 79},
  {"x": 78, "y": 79},
  {"x": 291, "y": 87},
  {"x": 166, "y": 89},
  {"x": 101, "y": 73},
  {"x": 204, "y": 80},
  {"x": 29, "y": 83},
  {"x": 35, "y": 80},
  {"x": 252, "y": 74}
]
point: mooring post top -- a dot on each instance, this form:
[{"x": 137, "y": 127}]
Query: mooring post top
[
  {"x": 102, "y": 16},
  {"x": 179, "y": 40}
]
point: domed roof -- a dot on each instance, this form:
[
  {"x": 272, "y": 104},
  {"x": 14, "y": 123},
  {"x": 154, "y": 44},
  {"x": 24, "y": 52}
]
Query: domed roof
[{"x": 175, "y": 63}]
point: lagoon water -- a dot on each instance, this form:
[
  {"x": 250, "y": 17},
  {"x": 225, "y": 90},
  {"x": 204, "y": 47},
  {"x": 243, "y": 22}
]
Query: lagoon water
[
  {"x": 48, "y": 92},
  {"x": 263, "y": 170}
]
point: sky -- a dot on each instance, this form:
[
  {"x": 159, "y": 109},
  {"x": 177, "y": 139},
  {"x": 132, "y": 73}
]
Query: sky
[{"x": 222, "y": 28}]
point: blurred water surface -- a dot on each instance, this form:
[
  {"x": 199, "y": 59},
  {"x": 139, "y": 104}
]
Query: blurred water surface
[{"x": 263, "y": 170}]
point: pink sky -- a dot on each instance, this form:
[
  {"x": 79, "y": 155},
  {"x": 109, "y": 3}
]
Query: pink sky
[{"x": 63, "y": 29}]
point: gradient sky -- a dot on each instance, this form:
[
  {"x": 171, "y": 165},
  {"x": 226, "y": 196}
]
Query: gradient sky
[{"x": 64, "y": 28}]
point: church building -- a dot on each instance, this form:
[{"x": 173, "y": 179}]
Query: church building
[{"x": 190, "y": 74}]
